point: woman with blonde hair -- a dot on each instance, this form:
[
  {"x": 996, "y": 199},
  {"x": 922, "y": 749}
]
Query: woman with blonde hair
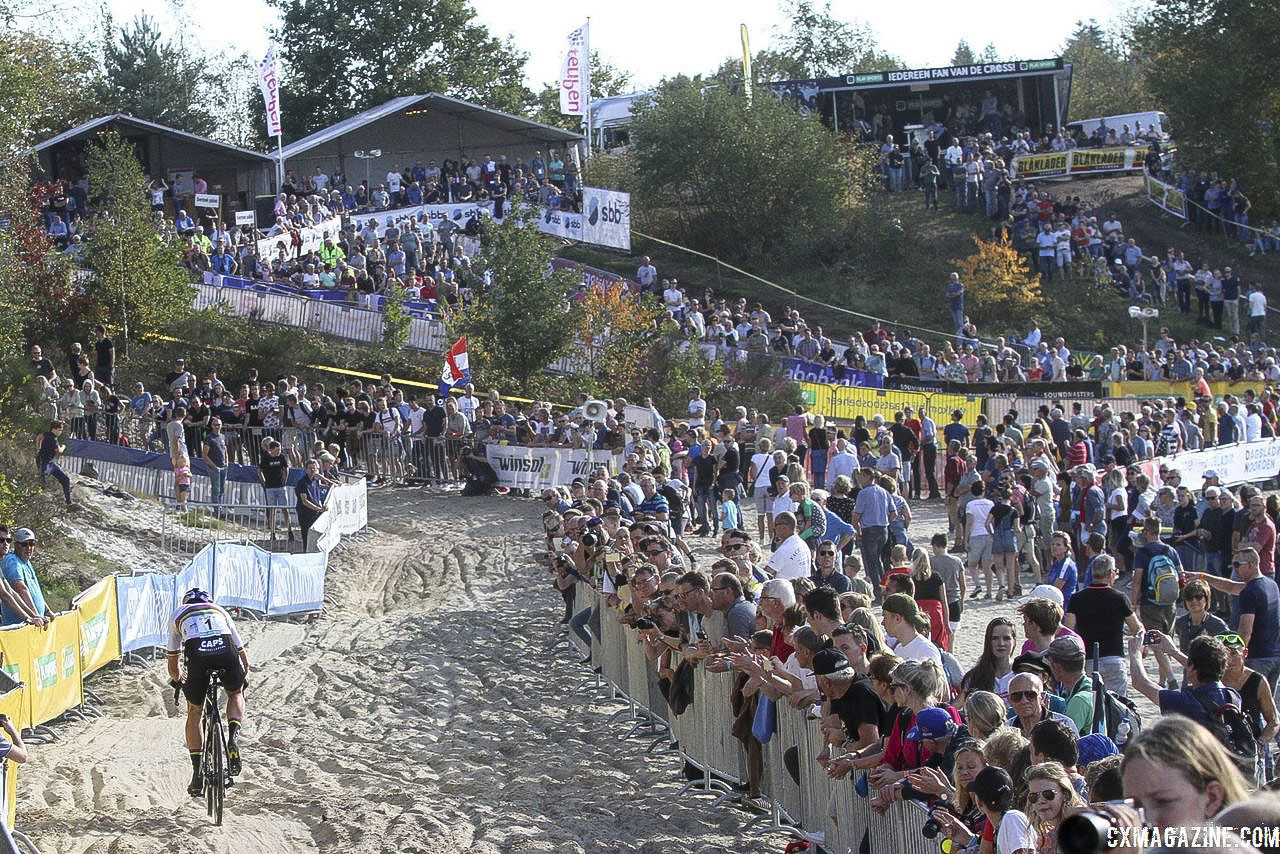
[
  {"x": 866, "y": 618},
  {"x": 984, "y": 713},
  {"x": 1050, "y": 799},
  {"x": 931, "y": 596},
  {"x": 1003, "y": 746},
  {"x": 1179, "y": 774}
]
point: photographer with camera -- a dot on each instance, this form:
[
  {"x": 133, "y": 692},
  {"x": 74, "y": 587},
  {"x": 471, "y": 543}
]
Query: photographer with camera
[
  {"x": 1008, "y": 830},
  {"x": 937, "y": 733}
]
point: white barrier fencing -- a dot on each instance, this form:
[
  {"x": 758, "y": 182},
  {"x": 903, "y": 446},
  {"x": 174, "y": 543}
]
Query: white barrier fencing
[
  {"x": 522, "y": 467},
  {"x": 238, "y": 576},
  {"x": 815, "y": 807}
]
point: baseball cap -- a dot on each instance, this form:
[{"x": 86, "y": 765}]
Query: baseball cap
[
  {"x": 1066, "y": 648},
  {"x": 1044, "y": 591},
  {"x": 1210, "y": 473},
  {"x": 24, "y": 535},
  {"x": 830, "y": 662},
  {"x": 993, "y": 785},
  {"x": 932, "y": 722},
  {"x": 1095, "y": 746},
  {"x": 1030, "y": 661}
]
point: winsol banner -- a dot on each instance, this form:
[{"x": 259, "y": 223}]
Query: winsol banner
[
  {"x": 539, "y": 468},
  {"x": 1166, "y": 197},
  {"x": 1077, "y": 161}
]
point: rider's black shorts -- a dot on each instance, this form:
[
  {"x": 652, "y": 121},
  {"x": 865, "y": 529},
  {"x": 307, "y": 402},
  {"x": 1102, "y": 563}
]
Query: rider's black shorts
[{"x": 206, "y": 655}]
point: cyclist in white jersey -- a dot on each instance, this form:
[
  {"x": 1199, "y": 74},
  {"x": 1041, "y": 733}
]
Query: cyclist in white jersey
[{"x": 205, "y": 635}]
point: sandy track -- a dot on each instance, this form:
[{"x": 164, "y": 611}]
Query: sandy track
[{"x": 418, "y": 715}]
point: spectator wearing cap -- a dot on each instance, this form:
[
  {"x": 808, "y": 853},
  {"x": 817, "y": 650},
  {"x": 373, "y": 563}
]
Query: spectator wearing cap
[
  {"x": 905, "y": 624},
  {"x": 21, "y": 597},
  {"x": 1100, "y": 614},
  {"x": 1065, "y": 657},
  {"x": 939, "y": 736}
]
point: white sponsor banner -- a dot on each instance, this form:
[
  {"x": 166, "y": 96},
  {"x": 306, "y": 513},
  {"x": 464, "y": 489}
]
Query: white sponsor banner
[
  {"x": 208, "y": 200},
  {"x": 347, "y": 512},
  {"x": 575, "y": 74},
  {"x": 297, "y": 583},
  {"x": 607, "y": 221},
  {"x": 607, "y": 217},
  {"x": 458, "y": 213},
  {"x": 537, "y": 468},
  {"x": 1245, "y": 462},
  {"x": 244, "y": 218},
  {"x": 144, "y": 603},
  {"x": 643, "y": 417},
  {"x": 243, "y": 576},
  {"x": 269, "y": 83},
  {"x": 312, "y": 238}
]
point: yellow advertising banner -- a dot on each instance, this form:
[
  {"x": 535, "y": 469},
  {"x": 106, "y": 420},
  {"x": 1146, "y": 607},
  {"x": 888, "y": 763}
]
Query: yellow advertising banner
[
  {"x": 99, "y": 625},
  {"x": 55, "y": 684},
  {"x": 846, "y": 403},
  {"x": 1078, "y": 161},
  {"x": 13, "y": 704},
  {"x": 1042, "y": 165},
  {"x": 15, "y": 655},
  {"x": 1183, "y": 389}
]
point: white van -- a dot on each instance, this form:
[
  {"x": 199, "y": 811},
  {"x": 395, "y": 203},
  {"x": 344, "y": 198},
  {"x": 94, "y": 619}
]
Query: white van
[{"x": 1084, "y": 128}]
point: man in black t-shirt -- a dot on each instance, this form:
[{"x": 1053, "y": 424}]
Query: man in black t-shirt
[
  {"x": 1099, "y": 614},
  {"x": 273, "y": 473},
  {"x": 704, "y": 497},
  {"x": 40, "y": 365},
  {"x": 853, "y": 701}
]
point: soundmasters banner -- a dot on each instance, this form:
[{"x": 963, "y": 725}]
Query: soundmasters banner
[
  {"x": 1078, "y": 161},
  {"x": 537, "y": 468}
]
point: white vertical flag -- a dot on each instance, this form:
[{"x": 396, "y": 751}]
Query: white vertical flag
[
  {"x": 575, "y": 74},
  {"x": 269, "y": 82}
]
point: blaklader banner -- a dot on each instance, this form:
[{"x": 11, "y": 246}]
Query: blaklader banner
[{"x": 1078, "y": 161}]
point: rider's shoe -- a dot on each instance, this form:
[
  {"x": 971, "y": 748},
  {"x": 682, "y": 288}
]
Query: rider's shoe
[
  {"x": 233, "y": 757},
  {"x": 196, "y": 787}
]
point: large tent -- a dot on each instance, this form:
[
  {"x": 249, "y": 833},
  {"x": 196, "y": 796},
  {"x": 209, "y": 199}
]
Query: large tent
[
  {"x": 420, "y": 127},
  {"x": 237, "y": 174}
]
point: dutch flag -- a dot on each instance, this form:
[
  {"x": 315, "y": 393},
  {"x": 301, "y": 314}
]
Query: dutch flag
[{"x": 456, "y": 371}]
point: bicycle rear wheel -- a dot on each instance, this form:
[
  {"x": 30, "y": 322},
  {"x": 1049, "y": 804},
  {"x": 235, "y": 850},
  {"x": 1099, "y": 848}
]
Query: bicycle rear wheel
[{"x": 218, "y": 780}]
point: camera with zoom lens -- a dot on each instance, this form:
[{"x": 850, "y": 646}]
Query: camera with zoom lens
[
  {"x": 592, "y": 540},
  {"x": 1087, "y": 831},
  {"x": 931, "y": 828}
]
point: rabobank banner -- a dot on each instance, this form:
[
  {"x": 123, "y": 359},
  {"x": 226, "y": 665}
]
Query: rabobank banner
[
  {"x": 537, "y": 468},
  {"x": 813, "y": 372}
]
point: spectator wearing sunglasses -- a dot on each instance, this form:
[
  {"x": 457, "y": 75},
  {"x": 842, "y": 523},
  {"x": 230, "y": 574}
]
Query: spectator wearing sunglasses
[{"x": 1259, "y": 625}]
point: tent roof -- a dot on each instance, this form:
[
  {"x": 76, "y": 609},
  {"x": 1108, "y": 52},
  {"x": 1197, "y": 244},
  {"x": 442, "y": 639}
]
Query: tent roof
[
  {"x": 141, "y": 124},
  {"x": 435, "y": 103}
]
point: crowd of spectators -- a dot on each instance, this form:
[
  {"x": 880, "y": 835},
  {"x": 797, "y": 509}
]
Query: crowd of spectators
[
  {"x": 1220, "y": 206},
  {"x": 829, "y": 601}
]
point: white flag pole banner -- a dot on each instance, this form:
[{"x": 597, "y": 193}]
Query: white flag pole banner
[
  {"x": 269, "y": 83},
  {"x": 575, "y": 75}
]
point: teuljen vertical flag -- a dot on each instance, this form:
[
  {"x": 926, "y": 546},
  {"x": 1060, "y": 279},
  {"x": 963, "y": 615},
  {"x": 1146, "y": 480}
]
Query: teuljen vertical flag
[
  {"x": 269, "y": 82},
  {"x": 456, "y": 371},
  {"x": 575, "y": 75}
]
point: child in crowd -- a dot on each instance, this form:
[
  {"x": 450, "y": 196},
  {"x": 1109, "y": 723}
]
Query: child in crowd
[
  {"x": 181, "y": 477},
  {"x": 730, "y": 513}
]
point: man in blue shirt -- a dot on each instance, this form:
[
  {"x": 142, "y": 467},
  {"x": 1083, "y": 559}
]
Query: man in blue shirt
[
  {"x": 1206, "y": 662},
  {"x": 654, "y": 507},
  {"x": 21, "y": 599},
  {"x": 871, "y": 519},
  {"x": 955, "y": 431}
]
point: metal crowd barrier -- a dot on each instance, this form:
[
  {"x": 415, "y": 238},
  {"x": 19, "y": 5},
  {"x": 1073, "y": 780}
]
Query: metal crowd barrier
[
  {"x": 187, "y": 531},
  {"x": 818, "y": 808}
]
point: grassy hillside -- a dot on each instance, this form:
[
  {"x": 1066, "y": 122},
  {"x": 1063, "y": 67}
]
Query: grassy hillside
[{"x": 904, "y": 283}]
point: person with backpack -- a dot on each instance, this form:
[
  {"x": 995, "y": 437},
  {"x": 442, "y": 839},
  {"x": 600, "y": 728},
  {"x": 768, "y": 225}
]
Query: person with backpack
[
  {"x": 1156, "y": 588},
  {"x": 1205, "y": 699},
  {"x": 1259, "y": 622}
]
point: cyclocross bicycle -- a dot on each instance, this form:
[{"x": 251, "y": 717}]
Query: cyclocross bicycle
[{"x": 213, "y": 760}]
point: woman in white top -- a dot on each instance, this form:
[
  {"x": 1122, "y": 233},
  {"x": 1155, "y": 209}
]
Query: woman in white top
[
  {"x": 1117, "y": 510},
  {"x": 758, "y": 478},
  {"x": 71, "y": 402},
  {"x": 92, "y": 405}
]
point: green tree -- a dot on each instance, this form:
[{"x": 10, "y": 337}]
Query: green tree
[
  {"x": 989, "y": 54},
  {"x": 345, "y": 56},
  {"x": 963, "y": 55},
  {"x": 823, "y": 45},
  {"x": 147, "y": 75},
  {"x": 1107, "y": 77},
  {"x": 395, "y": 320},
  {"x": 524, "y": 323},
  {"x": 748, "y": 182},
  {"x": 607, "y": 80},
  {"x": 1213, "y": 65},
  {"x": 134, "y": 284}
]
